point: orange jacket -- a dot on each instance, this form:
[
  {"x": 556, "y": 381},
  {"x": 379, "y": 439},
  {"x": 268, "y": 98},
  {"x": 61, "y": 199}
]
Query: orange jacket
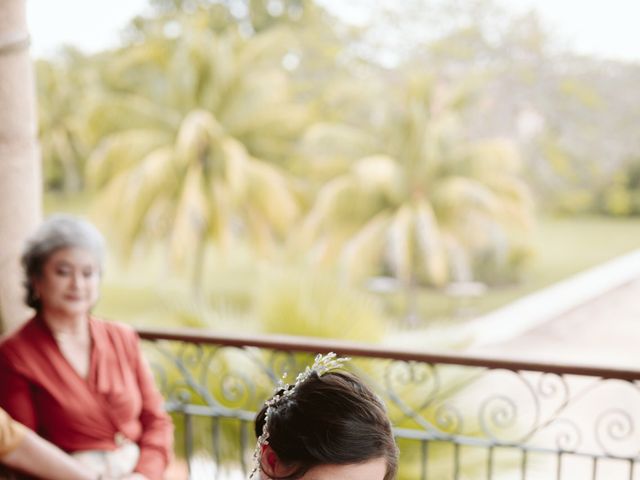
[{"x": 41, "y": 390}]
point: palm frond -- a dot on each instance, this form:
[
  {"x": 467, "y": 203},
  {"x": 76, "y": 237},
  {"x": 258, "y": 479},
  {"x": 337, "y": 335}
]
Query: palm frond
[
  {"x": 429, "y": 244},
  {"x": 121, "y": 151},
  {"x": 400, "y": 246},
  {"x": 361, "y": 254}
]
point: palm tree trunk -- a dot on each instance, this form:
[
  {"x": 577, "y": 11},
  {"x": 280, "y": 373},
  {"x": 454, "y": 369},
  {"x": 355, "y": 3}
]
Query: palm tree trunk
[
  {"x": 20, "y": 171},
  {"x": 197, "y": 279},
  {"x": 412, "y": 316}
]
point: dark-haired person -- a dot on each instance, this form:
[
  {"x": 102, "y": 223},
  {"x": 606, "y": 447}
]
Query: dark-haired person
[
  {"x": 327, "y": 426},
  {"x": 80, "y": 382},
  {"x": 23, "y": 450}
]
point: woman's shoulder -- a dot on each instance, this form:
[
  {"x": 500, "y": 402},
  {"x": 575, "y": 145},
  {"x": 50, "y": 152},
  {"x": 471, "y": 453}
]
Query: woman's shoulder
[
  {"x": 25, "y": 336},
  {"x": 24, "y": 348}
]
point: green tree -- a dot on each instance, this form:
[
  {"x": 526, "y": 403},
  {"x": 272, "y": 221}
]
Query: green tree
[
  {"x": 197, "y": 126},
  {"x": 63, "y": 88},
  {"x": 253, "y": 15},
  {"x": 429, "y": 204}
]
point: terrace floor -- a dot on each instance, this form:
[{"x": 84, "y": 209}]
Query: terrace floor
[
  {"x": 592, "y": 318},
  {"x": 604, "y": 331}
]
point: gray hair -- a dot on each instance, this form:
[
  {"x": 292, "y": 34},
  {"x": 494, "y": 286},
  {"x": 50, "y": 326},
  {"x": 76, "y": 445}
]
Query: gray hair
[{"x": 55, "y": 233}]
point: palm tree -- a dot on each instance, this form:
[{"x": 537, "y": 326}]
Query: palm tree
[
  {"x": 64, "y": 99},
  {"x": 20, "y": 191},
  {"x": 428, "y": 204},
  {"x": 197, "y": 126}
]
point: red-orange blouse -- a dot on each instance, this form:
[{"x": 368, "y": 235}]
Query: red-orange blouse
[{"x": 41, "y": 390}]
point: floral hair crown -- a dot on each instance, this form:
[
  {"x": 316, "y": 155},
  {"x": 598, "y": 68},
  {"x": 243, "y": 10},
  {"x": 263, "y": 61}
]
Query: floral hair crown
[{"x": 321, "y": 365}]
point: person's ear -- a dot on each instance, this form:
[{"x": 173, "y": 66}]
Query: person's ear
[{"x": 271, "y": 463}]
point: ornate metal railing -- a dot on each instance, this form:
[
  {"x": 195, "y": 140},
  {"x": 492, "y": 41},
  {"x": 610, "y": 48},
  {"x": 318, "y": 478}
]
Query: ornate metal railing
[{"x": 455, "y": 416}]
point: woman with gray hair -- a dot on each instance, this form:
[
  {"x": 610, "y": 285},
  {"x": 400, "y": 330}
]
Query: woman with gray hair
[{"x": 80, "y": 382}]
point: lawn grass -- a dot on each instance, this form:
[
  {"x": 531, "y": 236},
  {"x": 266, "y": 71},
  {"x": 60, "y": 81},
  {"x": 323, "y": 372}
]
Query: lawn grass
[
  {"x": 567, "y": 246},
  {"x": 564, "y": 247}
]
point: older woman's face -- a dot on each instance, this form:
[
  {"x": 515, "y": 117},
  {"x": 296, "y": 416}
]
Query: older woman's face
[{"x": 69, "y": 283}]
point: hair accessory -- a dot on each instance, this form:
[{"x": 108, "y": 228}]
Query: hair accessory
[{"x": 321, "y": 365}]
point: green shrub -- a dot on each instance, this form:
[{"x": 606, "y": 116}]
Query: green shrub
[{"x": 297, "y": 302}]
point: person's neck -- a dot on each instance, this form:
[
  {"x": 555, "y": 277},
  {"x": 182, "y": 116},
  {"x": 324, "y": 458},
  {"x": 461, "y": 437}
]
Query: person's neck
[{"x": 65, "y": 324}]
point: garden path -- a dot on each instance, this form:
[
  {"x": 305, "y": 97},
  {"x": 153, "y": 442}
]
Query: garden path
[{"x": 592, "y": 318}]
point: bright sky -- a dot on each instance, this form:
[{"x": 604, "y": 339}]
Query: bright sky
[
  {"x": 87, "y": 24},
  {"x": 607, "y": 28}
]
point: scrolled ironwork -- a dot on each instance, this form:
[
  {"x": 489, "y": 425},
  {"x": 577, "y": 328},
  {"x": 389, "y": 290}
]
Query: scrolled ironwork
[
  {"x": 449, "y": 419},
  {"x": 568, "y": 437},
  {"x": 283, "y": 366},
  {"x": 613, "y": 428},
  {"x": 497, "y": 412},
  {"x": 551, "y": 386},
  {"x": 531, "y": 408},
  {"x": 237, "y": 388},
  {"x": 400, "y": 377}
]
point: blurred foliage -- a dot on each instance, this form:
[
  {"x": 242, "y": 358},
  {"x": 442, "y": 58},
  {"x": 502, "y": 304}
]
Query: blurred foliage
[
  {"x": 199, "y": 165},
  {"x": 203, "y": 131},
  {"x": 296, "y": 303},
  {"x": 62, "y": 121},
  {"x": 621, "y": 196},
  {"x": 429, "y": 204},
  {"x": 282, "y": 128}
]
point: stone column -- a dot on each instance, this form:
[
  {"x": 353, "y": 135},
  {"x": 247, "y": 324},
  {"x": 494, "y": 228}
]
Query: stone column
[{"x": 20, "y": 169}]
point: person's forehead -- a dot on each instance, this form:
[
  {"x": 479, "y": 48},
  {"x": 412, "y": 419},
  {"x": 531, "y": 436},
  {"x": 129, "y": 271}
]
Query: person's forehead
[
  {"x": 374, "y": 469},
  {"x": 72, "y": 255}
]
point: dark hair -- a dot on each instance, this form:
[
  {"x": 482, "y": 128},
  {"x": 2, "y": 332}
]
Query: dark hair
[
  {"x": 55, "y": 233},
  {"x": 333, "y": 419}
]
